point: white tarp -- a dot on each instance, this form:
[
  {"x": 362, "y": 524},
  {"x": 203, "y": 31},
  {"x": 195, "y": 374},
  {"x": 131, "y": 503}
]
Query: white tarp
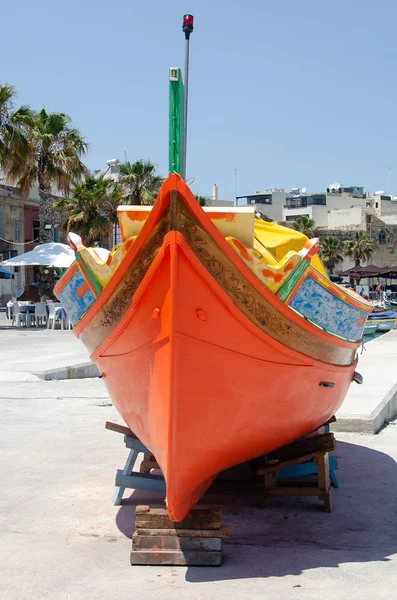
[{"x": 52, "y": 254}]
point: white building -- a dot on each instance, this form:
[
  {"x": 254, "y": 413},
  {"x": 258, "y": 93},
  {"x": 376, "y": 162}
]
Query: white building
[
  {"x": 384, "y": 204},
  {"x": 270, "y": 202},
  {"x": 318, "y": 206}
]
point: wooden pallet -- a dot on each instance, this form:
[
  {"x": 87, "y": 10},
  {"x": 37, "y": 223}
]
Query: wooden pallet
[
  {"x": 308, "y": 449},
  {"x": 195, "y": 541}
]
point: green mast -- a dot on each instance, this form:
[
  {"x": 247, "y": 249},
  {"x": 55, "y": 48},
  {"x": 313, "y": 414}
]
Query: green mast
[{"x": 175, "y": 148}]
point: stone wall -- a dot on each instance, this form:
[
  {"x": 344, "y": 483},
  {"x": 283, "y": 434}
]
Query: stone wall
[{"x": 384, "y": 237}]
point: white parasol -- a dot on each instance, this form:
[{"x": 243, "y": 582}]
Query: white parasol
[{"x": 52, "y": 254}]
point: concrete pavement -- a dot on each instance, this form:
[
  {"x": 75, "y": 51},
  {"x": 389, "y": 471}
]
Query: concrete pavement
[
  {"x": 369, "y": 406},
  {"x": 62, "y": 539},
  {"x": 44, "y": 352}
]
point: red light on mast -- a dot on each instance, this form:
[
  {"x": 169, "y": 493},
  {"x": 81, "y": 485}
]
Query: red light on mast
[{"x": 187, "y": 26}]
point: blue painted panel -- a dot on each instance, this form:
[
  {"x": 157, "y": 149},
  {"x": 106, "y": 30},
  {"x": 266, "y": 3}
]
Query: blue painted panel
[
  {"x": 75, "y": 306},
  {"x": 316, "y": 303}
]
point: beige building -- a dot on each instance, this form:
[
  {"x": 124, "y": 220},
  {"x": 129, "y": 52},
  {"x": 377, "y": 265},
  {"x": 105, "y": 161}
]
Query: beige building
[
  {"x": 318, "y": 206},
  {"x": 11, "y": 235}
]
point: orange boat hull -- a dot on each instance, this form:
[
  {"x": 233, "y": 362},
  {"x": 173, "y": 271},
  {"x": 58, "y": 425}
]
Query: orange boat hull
[
  {"x": 206, "y": 365},
  {"x": 200, "y": 386}
]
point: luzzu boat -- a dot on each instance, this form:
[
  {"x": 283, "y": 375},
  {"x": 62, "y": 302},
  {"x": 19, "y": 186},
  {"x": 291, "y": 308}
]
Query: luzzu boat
[
  {"x": 370, "y": 327},
  {"x": 220, "y": 337},
  {"x": 385, "y": 320}
]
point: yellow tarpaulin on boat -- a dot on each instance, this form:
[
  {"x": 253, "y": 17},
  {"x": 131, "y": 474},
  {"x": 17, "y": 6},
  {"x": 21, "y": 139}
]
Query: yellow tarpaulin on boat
[{"x": 279, "y": 240}]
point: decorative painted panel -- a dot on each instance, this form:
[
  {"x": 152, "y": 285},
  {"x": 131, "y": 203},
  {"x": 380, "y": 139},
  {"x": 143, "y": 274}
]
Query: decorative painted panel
[
  {"x": 76, "y": 296},
  {"x": 317, "y": 304}
]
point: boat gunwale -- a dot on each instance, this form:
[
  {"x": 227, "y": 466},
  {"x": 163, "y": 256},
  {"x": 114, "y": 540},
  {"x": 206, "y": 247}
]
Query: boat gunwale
[
  {"x": 262, "y": 335},
  {"x": 174, "y": 182}
]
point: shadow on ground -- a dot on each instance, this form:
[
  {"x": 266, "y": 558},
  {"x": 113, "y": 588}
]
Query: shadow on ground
[{"x": 295, "y": 534}]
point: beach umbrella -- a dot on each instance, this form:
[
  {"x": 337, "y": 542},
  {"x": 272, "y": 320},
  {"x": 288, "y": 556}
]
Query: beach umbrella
[
  {"x": 52, "y": 254},
  {"x": 4, "y": 274}
]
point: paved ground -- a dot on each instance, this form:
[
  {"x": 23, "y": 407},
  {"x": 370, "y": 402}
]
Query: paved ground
[
  {"x": 30, "y": 349},
  {"x": 62, "y": 539},
  {"x": 367, "y": 406}
]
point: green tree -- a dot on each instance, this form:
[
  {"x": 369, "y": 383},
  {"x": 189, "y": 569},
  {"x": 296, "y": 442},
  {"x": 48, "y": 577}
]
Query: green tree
[
  {"x": 202, "y": 200},
  {"x": 305, "y": 225},
  {"x": 14, "y": 122},
  {"x": 360, "y": 247},
  {"x": 91, "y": 209},
  {"x": 331, "y": 252},
  {"x": 260, "y": 215},
  {"x": 140, "y": 182},
  {"x": 53, "y": 159}
]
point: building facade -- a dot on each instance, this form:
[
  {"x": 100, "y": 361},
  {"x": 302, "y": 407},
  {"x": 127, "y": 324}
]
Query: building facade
[
  {"x": 19, "y": 232},
  {"x": 12, "y": 234},
  {"x": 318, "y": 206},
  {"x": 270, "y": 202}
]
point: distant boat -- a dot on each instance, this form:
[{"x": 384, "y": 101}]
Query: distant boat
[
  {"x": 220, "y": 337},
  {"x": 370, "y": 327},
  {"x": 384, "y": 319}
]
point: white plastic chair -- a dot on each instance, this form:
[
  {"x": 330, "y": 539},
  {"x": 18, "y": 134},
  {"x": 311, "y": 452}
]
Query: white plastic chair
[
  {"x": 9, "y": 308},
  {"x": 17, "y": 316},
  {"x": 40, "y": 313},
  {"x": 68, "y": 321},
  {"x": 60, "y": 315},
  {"x": 51, "y": 315}
]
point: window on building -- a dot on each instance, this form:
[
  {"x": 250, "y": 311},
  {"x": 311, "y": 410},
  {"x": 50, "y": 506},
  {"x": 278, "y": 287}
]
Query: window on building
[
  {"x": 294, "y": 217},
  {"x": 382, "y": 238},
  {"x": 319, "y": 200},
  {"x": 17, "y": 230},
  {"x": 35, "y": 230}
]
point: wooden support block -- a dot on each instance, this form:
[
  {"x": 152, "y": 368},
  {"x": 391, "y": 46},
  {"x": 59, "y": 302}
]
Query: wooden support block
[
  {"x": 223, "y": 532},
  {"x": 318, "y": 443},
  {"x": 174, "y": 542},
  {"x": 119, "y": 429},
  {"x": 147, "y": 466},
  {"x": 157, "y": 518},
  {"x": 277, "y": 466},
  {"x": 295, "y": 491},
  {"x": 324, "y": 481},
  {"x": 176, "y": 558}
]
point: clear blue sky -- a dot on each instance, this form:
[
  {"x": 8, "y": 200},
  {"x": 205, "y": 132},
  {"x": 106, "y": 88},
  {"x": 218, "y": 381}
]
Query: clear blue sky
[{"x": 289, "y": 93}]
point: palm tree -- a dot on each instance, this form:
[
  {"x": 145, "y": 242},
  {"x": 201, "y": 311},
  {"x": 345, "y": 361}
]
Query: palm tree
[
  {"x": 305, "y": 225},
  {"x": 331, "y": 252},
  {"x": 360, "y": 248},
  {"x": 53, "y": 159},
  {"x": 140, "y": 182},
  {"x": 13, "y": 125},
  {"x": 92, "y": 208}
]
